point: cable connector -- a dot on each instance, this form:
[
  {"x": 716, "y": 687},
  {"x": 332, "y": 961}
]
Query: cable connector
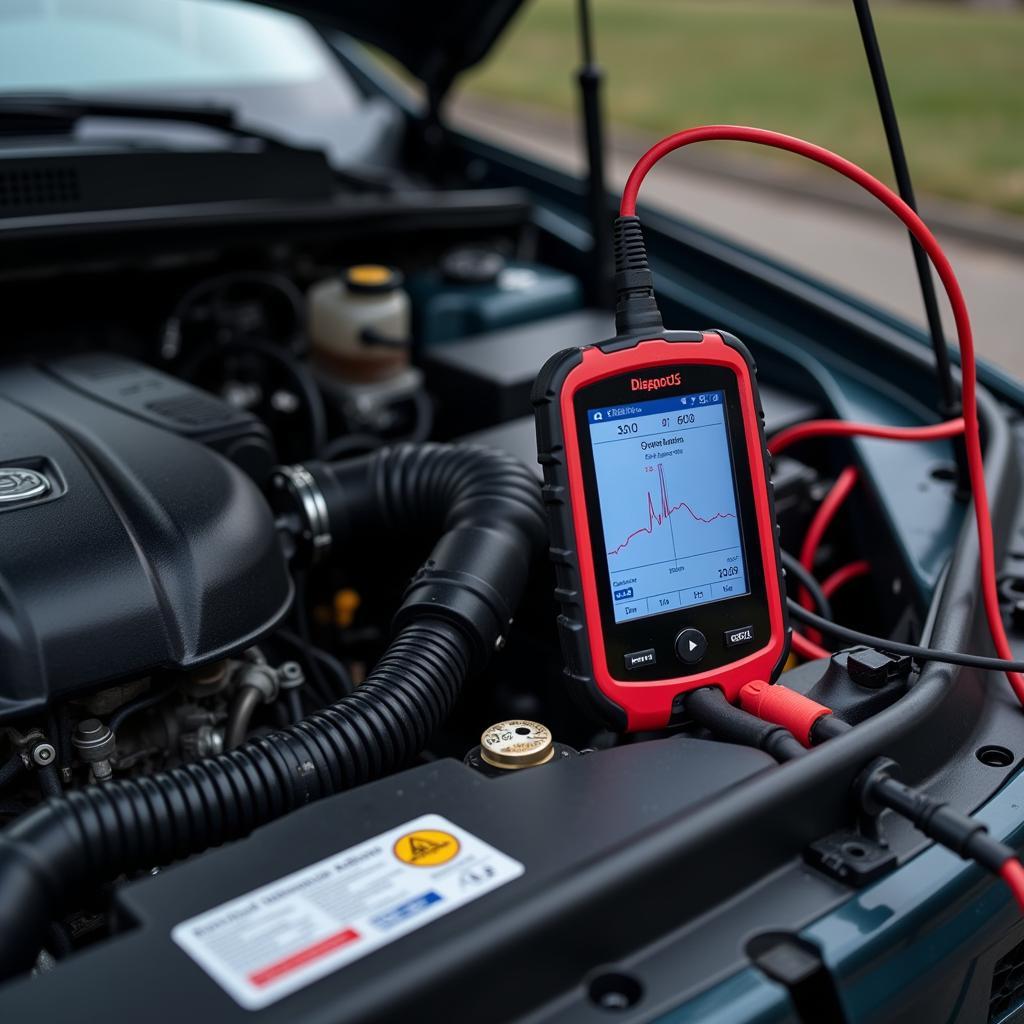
[
  {"x": 636, "y": 309},
  {"x": 877, "y": 788},
  {"x": 710, "y": 708},
  {"x": 783, "y": 706}
]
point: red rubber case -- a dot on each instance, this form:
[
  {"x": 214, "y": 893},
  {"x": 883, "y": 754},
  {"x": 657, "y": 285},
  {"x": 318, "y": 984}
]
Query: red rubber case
[{"x": 624, "y": 703}]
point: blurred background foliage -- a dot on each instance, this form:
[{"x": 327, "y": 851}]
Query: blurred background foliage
[{"x": 956, "y": 69}]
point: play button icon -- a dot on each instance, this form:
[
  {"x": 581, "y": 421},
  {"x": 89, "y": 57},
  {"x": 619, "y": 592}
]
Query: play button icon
[{"x": 691, "y": 646}]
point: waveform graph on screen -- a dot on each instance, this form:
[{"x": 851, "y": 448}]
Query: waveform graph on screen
[
  {"x": 658, "y": 527},
  {"x": 668, "y": 507}
]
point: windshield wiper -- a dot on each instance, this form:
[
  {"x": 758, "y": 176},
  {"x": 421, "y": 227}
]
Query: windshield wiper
[
  {"x": 44, "y": 113},
  {"x": 24, "y": 114}
]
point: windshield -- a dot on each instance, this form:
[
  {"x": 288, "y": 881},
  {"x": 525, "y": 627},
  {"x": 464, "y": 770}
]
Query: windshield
[
  {"x": 273, "y": 69},
  {"x": 92, "y": 45}
]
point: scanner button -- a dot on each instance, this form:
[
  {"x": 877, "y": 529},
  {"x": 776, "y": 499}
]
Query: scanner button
[
  {"x": 739, "y": 636},
  {"x": 640, "y": 659},
  {"x": 691, "y": 646}
]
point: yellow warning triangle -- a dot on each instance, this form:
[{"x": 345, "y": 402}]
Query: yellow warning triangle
[{"x": 421, "y": 847}]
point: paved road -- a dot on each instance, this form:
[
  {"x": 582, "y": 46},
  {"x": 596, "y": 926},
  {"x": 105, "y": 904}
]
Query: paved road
[{"x": 855, "y": 250}]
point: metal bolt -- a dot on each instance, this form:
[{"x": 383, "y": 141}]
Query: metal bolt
[{"x": 43, "y": 754}]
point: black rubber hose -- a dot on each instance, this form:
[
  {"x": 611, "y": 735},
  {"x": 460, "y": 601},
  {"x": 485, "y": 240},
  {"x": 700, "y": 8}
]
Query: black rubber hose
[
  {"x": 49, "y": 781},
  {"x": 486, "y": 507},
  {"x": 11, "y": 769},
  {"x": 70, "y": 844}
]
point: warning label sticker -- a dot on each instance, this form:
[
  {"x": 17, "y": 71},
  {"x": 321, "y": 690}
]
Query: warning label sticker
[{"x": 285, "y": 935}]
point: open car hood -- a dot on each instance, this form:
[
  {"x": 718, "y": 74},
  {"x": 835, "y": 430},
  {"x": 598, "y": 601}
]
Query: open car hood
[{"x": 436, "y": 40}]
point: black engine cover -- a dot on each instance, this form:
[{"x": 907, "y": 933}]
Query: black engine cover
[{"x": 123, "y": 546}]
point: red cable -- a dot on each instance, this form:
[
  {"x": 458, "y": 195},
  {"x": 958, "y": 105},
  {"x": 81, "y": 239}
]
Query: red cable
[
  {"x": 803, "y": 645},
  {"x": 826, "y": 512},
  {"x": 843, "y": 576},
  {"x": 843, "y": 428},
  {"x": 965, "y": 337},
  {"x": 1012, "y": 873},
  {"x": 823, "y": 516}
]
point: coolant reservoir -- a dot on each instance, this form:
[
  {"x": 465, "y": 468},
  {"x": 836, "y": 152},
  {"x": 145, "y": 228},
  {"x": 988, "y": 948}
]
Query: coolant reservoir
[{"x": 359, "y": 322}]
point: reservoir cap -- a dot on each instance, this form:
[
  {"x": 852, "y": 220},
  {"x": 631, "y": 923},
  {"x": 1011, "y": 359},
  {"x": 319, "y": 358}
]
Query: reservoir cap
[{"x": 371, "y": 278}]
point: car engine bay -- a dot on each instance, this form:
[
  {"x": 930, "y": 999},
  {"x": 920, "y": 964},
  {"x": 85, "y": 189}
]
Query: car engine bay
[{"x": 271, "y": 529}]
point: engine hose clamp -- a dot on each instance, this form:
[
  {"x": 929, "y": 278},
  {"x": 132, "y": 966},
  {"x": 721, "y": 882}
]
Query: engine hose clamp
[{"x": 316, "y": 525}]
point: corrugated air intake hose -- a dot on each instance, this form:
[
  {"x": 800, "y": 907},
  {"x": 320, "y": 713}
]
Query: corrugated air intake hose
[{"x": 455, "y": 613}]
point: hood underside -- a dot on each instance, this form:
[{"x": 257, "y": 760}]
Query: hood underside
[{"x": 436, "y": 40}]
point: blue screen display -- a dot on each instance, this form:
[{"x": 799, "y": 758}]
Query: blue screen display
[{"x": 668, "y": 504}]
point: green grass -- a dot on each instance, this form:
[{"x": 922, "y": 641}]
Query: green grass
[{"x": 957, "y": 75}]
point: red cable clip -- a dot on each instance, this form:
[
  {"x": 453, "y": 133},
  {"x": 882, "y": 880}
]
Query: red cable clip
[{"x": 781, "y": 706}]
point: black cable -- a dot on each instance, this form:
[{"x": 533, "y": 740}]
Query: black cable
[
  {"x": 152, "y": 697},
  {"x": 949, "y": 399},
  {"x": 311, "y": 653},
  {"x": 853, "y": 636},
  {"x": 795, "y": 567},
  {"x": 828, "y": 727},
  {"x": 877, "y": 788},
  {"x": 636, "y": 306}
]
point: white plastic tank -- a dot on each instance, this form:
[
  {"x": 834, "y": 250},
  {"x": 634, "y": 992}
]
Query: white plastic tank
[{"x": 359, "y": 322}]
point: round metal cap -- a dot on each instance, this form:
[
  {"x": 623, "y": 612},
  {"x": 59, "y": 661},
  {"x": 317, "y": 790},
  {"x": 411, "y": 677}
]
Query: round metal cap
[{"x": 516, "y": 743}]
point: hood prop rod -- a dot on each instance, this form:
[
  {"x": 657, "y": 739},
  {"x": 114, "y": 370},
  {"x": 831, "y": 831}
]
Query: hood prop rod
[
  {"x": 949, "y": 406},
  {"x": 590, "y": 76}
]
